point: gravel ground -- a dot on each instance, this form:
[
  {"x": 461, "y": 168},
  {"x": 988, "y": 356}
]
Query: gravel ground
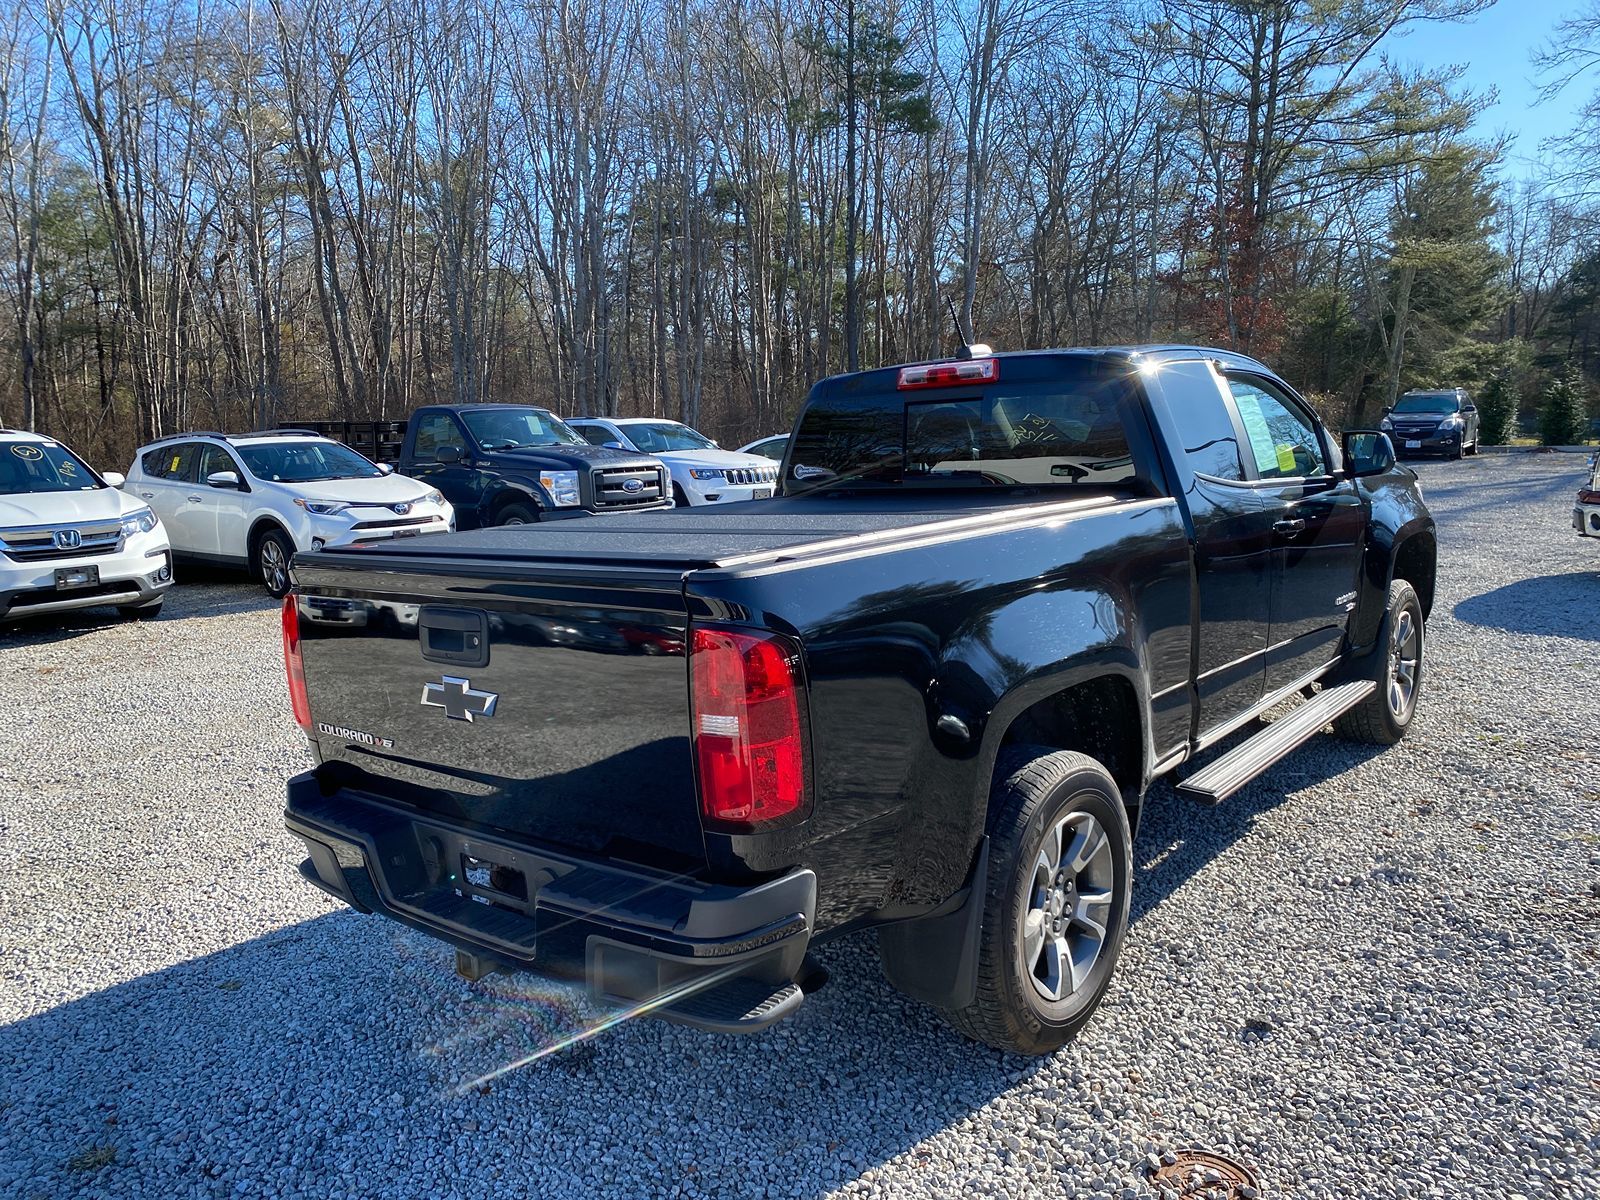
[{"x": 1368, "y": 975}]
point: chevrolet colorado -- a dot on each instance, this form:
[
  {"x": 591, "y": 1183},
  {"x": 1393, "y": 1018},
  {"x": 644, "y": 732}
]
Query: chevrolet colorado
[{"x": 924, "y": 689}]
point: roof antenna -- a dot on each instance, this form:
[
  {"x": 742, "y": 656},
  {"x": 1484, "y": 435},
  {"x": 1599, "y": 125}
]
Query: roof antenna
[{"x": 968, "y": 349}]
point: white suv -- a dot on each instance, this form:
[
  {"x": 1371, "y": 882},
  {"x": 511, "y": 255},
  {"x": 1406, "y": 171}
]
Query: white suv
[
  {"x": 69, "y": 539},
  {"x": 254, "y": 499},
  {"x": 701, "y": 472}
]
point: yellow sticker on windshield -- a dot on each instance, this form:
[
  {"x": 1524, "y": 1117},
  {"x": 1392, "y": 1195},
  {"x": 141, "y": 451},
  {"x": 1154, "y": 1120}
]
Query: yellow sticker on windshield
[
  {"x": 24, "y": 451},
  {"x": 1286, "y": 458}
]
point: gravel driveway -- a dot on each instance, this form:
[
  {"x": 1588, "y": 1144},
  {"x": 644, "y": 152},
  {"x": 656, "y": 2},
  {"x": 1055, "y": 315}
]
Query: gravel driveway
[{"x": 1368, "y": 975}]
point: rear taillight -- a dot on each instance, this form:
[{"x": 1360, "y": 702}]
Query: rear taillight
[
  {"x": 748, "y": 741},
  {"x": 950, "y": 374},
  {"x": 1588, "y": 497},
  {"x": 295, "y": 664}
]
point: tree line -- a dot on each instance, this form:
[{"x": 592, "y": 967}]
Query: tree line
[{"x": 231, "y": 213}]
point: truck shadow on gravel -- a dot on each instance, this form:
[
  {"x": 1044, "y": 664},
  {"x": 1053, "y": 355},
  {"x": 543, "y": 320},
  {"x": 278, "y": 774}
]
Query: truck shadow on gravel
[
  {"x": 338, "y": 1057},
  {"x": 1548, "y": 606}
]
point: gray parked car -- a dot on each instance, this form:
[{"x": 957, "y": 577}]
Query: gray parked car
[{"x": 1440, "y": 421}]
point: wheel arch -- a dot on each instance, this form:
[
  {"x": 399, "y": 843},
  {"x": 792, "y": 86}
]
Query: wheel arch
[
  {"x": 1098, "y": 711},
  {"x": 259, "y": 525},
  {"x": 1416, "y": 560},
  {"x": 506, "y": 492}
]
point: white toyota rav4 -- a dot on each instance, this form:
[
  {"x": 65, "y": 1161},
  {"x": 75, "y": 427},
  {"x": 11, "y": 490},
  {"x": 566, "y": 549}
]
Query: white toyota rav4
[
  {"x": 702, "y": 472},
  {"x": 69, "y": 539},
  {"x": 254, "y": 499}
]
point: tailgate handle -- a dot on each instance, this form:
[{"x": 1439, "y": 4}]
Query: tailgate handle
[{"x": 458, "y": 636}]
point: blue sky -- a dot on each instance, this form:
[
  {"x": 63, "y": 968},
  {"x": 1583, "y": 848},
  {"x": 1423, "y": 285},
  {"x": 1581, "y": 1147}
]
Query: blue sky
[{"x": 1495, "y": 48}]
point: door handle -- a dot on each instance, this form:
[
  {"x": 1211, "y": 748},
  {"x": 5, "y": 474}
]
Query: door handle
[
  {"x": 1289, "y": 527},
  {"x": 148, "y": 495},
  {"x": 194, "y": 499}
]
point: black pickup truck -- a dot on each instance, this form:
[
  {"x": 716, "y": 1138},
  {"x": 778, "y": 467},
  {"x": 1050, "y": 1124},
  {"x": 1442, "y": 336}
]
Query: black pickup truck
[
  {"x": 925, "y": 689},
  {"x": 508, "y": 464}
]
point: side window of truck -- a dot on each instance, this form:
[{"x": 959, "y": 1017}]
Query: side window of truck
[
  {"x": 1206, "y": 431},
  {"x": 433, "y": 431},
  {"x": 1283, "y": 436}
]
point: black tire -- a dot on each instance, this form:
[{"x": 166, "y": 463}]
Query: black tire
[
  {"x": 269, "y": 561},
  {"x": 1377, "y": 720},
  {"x": 1038, "y": 790},
  {"x": 135, "y": 611},
  {"x": 679, "y": 497},
  {"x": 517, "y": 514},
  {"x": 1457, "y": 451}
]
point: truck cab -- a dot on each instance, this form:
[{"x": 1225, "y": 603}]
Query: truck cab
[{"x": 517, "y": 464}]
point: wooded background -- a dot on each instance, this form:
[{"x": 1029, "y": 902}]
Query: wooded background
[{"x": 224, "y": 213}]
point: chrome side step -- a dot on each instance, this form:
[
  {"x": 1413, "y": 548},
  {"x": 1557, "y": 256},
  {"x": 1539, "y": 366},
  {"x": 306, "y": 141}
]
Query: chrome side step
[{"x": 1215, "y": 783}]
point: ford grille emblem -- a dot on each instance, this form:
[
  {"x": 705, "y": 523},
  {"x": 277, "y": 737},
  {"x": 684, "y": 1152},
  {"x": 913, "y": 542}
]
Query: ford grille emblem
[
  {"x": 633, "y": 485},
  {"x": 68, "y": 539}
]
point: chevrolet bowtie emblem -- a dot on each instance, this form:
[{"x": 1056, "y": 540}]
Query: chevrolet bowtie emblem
[{"x": 458, "y": 699}]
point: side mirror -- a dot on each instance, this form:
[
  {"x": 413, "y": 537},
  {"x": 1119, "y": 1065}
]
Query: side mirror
[
  {"x": 613, "y": 445},
  {"x": 114, "y": 478},
  {"x": 223, "y": 479},
  {"x": 1466, "y": 408},
  {"x": 1387, "y": 409},
  {"x": 449, "y": 454},
  {"x": 1367, "y": 452},
  {"x": 385, "y": 468}
]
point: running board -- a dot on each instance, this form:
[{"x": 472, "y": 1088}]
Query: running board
[{"x": 1221, "y": 779}]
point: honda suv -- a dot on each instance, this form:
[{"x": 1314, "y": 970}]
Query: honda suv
[
  {"x": 252, "y": 500},
  {"x": 69, "y": 539}
]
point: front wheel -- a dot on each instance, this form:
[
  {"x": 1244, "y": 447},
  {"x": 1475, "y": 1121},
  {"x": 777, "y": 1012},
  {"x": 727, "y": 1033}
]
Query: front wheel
[
  {"x": 1055, "y": 902},
  {"x": 1395, "y": 665},
  {"x": 271, "y": 562},
  {"x": 518, "y": 514}
]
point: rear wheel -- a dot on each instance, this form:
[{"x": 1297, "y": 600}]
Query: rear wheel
[
  {"x": 1055, "y": 902},
  {"x": 518, "y": 514},
  {"x": 271, "y": 562},
  {"x": 1395, "y": 665}
]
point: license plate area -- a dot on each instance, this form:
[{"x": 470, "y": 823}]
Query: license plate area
[
  {"x": 1413, "y": 444},
  {"x": 488, "y": 881},
  {"x": 68, "y": 578},
  {"x": 761, "y": 494}
]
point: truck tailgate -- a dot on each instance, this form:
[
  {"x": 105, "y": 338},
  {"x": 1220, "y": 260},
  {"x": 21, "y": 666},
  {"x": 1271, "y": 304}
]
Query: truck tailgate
[{"x": 540, "y": 700}]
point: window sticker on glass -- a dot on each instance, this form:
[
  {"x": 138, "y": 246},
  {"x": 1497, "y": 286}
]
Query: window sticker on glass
[
  {"x": 1269, "y": 456},
  {"x": 1286, "y": 461}
]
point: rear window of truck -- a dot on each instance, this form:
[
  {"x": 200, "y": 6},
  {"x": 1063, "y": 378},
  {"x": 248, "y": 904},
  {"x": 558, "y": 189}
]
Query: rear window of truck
[{"x": 1057, "y": 433}]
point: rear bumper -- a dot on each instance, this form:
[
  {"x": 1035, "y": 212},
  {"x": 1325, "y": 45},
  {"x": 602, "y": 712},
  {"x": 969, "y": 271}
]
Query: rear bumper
[
  {"x": 717, "y": 957},
  {"x": 1586, "y": 520}
]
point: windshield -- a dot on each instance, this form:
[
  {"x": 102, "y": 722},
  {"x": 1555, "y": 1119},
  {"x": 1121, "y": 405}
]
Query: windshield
[
  {"x": 1047, "y": 434},
  {"x": 510, "y": 428},
  {"x": 1428, "y": 402},
  {"x": 37, "y": 467},
  {"x": 653, "y": 437},
  {"x": 305, "y": 462}
]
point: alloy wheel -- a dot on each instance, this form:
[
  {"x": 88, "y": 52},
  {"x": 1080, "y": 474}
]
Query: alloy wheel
[
  {"x": 1067, "y": 905},
  {"x": 1405, "y": 653}
]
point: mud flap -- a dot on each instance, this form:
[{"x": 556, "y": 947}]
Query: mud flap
[{"x": 934, "y": 958}]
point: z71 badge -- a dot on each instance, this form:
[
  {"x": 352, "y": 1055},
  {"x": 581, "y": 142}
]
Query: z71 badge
[{"x": 355, "y": 735}]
